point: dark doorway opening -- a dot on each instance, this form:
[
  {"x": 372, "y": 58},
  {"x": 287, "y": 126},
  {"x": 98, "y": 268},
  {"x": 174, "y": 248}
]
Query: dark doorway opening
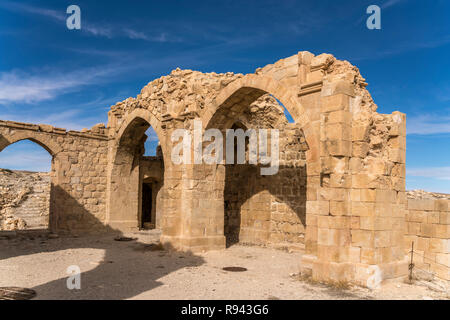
[{"x": 147, "y": 206}]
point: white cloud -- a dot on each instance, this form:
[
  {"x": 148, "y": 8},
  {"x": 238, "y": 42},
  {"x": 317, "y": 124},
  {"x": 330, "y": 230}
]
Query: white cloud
[
  {"x": 59, "y": 16},
  {"x": 20, "y": 7},
  {"x": 37, "y": 159},
  {"x": 428, "y": 124},
  {"x": 390, "y": 3},
  {"x": 440, "y": 173},
  {"x": 98, "y": 31},
  {"x": 107, "y": 31},
  {"x": 404, "y": 47},
  {"x": 18, "y": 86},
  {"x": 72, "y": 119},
  {"x": 133, "y": 34}
]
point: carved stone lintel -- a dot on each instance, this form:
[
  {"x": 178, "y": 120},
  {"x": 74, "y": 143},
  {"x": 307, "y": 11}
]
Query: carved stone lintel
[{"x": 310, "y": 87}]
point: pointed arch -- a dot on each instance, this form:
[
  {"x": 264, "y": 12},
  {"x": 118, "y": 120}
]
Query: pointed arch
[
  {"x": 240, "y": 93},
  {"x": 124, "y": 177},
  {"x": 44, "y": 140}
]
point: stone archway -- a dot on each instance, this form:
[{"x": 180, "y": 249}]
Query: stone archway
[
  {"x": 54, "y": 150},
  {"x": 355, "y": 203},
  {"x": 124, "y": 178},
  {"x": 41, "y": 139},
  {"x": 206, "y": 201},
  {"x": 243, "y": 91}
]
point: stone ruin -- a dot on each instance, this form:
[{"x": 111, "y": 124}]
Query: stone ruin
[
  {"x": 339, "y": 195},
  {"x": 24, "y": 200}
]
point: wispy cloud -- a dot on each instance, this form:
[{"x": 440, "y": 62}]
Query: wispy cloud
[
  {"x": 105, "y": 30},
  {"x": 71, "y": 119},
  {"x": 387, "y": 4},
  {"x": 25, "y": 156},
  {"x": 428, "y": 124},
  {"x": 440, "y": 173},
  {"x": 390, "y": 3},
  {"x": 139, "y": 35},
  {"x": 403, "y": 48},
  {"x": 18, "y": 86}
]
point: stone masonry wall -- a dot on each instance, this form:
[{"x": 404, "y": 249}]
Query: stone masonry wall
[
  {"x": 78, "y": 172},
  {"x": 81, "y": 191},
  {"x": 268, "y": 210},
  {"x": 352, "y": 159},
  {"x": 428, "y": 226},
  {"x": 24, "y": 200}
]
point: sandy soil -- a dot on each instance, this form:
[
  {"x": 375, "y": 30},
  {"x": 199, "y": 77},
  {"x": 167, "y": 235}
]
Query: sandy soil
[{"x": 139, "y": 269}]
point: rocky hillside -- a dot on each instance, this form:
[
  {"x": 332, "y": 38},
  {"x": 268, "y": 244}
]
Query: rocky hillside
[
  {"x": 24, "y": 200},
  {"x": 422, "y": 194}
]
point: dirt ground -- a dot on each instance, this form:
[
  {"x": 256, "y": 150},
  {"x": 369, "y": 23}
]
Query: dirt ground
[{"x": 139, "y": 269}]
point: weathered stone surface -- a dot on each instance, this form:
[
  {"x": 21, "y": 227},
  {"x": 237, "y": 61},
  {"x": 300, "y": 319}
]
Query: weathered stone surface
[
  {"x": 339, "y": 192},
  {"x": 428, "y": 227},
  {"x": 24, "y": 200}
]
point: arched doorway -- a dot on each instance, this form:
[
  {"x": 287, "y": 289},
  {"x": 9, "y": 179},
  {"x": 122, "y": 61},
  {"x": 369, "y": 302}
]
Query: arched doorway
[
  {"x": 26, "y": 176},
  {"x": 152, "y": 180},
  {"x": 264, "y": 209},
  {"x": 137, "y": 175},
  {"x": 267, "y": 209}
]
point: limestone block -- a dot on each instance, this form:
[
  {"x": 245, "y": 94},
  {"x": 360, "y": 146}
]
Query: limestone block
[
  {"x": 441, "y": 205},
  {"x": 360, "y": 133},
  {"x": 442, "y": 231},
  {"x": 444, "y": 218},
  {"x": 46, "y": 128},
  {"x": 338, "y": 148},
  {"x": 339, "y": 208},
  {"x": 397, "y": 155},
  {"x": 355, "y": 165},
  {"x": 339, "y": 131},
  {"x": 340, "y": 181},
  {"x": 436, "y": 245},
  {"x": 335, "y": 103},
  {"x": 363, "y": 209},
  {"x": 432, "y": 217},
  {"x": 341, "y": 116},
  {"x": 360, "y": 181},
  {"x": 363, "y": 238}
]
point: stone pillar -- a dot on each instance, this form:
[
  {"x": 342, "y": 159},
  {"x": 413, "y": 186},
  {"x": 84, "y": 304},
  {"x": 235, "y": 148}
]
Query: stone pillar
[
  {"x": 171, "y": 197},
  {"x": 333, "y": 219},
  {"x": 124, "y": 192},
  {"x": 360, "y": 214},
  {"x": 193, "y": 204},
  {"x": 378, "y": 202},
  {"x": 309, "y": 95}
]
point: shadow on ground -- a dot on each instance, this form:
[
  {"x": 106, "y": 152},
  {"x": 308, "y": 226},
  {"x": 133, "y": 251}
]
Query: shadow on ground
[{"x": 128, "y": 268}]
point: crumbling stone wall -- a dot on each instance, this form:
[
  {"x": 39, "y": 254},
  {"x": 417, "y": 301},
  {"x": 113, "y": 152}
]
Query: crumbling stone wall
[
  {"x": 355, "y": 197},
  {"x": 345, "y": 177},
  {"x": 163, "y": 104},
  {"x": 268, "y": 210},
  {"x": 78, "y": 172},
  {"x": 428, "y": 226},
  {"x": 24, "y": 200}
]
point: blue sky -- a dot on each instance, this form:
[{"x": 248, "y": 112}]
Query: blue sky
[{"x": 70, "y": 78}]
